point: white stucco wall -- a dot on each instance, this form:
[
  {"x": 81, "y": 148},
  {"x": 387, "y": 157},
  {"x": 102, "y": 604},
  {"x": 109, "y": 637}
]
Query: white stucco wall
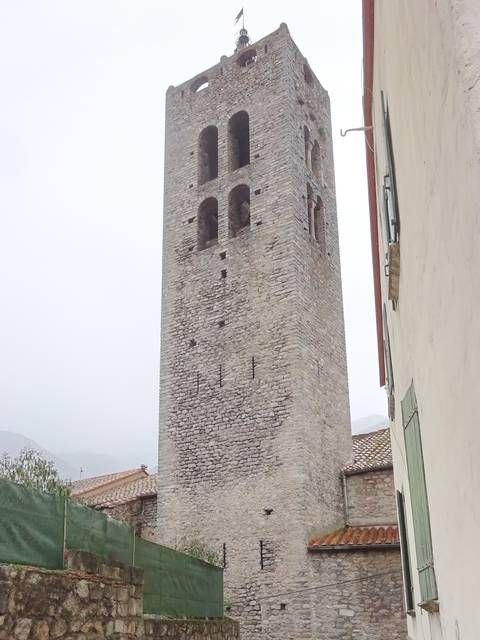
[{"x": 427, "y": 61}]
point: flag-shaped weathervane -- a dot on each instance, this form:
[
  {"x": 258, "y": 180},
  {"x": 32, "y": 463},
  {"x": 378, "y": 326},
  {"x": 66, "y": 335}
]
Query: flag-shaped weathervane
[{"x": 240, "y": 15}]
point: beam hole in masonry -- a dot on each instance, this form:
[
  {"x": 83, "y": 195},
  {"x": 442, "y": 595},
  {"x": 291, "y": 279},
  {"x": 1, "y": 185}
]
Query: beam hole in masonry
[
  {"x": 256, "y": 156},
  {"x": 221, "y": 323},
  {"x": 191, "y": 153},
  {"x": 190, "y": 248},
  {"x": 223, "y": 255},
  {"x": 268, "y": 511},
  {"x": 283, "y": 606},
  {"x": 257, "y": 192},
  {"x": 193, "y": 342},
  {"x": 190, "y": 185},
  {"x": 223, "y": 273},
  {"x": 258, "y": 223},
  {"x": 190, "y": 220}
]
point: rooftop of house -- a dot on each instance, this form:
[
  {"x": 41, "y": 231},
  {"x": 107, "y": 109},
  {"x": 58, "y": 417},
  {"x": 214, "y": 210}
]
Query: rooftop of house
[
  {"x": 137, "y": 488},
  {"x": 354, "y": 538},
  {"x": 370, "y": 452},
  {"x": 100, "y": 484}
]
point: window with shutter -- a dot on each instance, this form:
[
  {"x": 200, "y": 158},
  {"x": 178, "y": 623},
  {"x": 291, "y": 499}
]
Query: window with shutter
[
  {"x": 418, "y": 497},
  {"x": 407, "y": 575},
  {"x": 390, "y": 199}
]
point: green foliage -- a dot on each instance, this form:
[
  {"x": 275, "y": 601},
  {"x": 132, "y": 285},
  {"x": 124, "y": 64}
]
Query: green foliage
[
  {"x": 197, "y": 548},
  {"x": 32, "y": 470}
]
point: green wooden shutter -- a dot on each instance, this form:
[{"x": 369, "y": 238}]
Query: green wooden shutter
[
  {"x": 418, "y": 497},
  {"x": 407, "y": 575}
]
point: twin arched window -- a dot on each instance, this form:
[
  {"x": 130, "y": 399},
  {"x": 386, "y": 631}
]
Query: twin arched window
[
  {"x": 238, "y": 147},
  {"x": 238, "y": 216}
]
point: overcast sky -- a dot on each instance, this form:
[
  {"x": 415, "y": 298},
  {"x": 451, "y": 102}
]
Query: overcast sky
[{"x": 82, "y": 86}]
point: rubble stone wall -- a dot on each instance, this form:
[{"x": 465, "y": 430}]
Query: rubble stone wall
[
  {"x": 39, "y": 604},
  {"x": 371, "y": 498}
]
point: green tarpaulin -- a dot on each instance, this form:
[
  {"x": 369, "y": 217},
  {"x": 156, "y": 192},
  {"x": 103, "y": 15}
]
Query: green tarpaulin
[
  {"x": 36, "y": 528},
  {"x": 31, "y": 526}
]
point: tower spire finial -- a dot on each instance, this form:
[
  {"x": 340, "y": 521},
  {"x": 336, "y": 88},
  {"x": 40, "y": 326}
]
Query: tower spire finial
[{"x": 243, "y": 39}]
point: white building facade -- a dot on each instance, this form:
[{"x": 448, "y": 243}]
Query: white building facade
[{"x": 422, "y": 119}]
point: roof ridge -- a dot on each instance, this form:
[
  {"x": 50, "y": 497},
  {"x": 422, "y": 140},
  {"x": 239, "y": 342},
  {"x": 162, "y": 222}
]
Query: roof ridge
[{"x": 116, "y": 475}]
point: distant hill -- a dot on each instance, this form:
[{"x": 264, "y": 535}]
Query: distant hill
[
  {"x": 369, "y": 423},
  {"x": 72, "y": 465},
  {"x": 96, "y": 464},
  {"x": 12, "y": 443}
]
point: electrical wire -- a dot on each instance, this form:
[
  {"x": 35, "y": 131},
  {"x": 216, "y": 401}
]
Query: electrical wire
[{"x": 326, "y": 586}]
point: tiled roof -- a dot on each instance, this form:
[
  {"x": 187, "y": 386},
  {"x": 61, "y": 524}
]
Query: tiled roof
[
  {"x": 370, "y": 451},
  {"x": 138, "y": 488},
  {"x": 351, "y": 538},
  {"x": 81, "y": 487}
]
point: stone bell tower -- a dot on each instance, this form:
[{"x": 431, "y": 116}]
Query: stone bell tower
[{"x": 254, "y": 418}]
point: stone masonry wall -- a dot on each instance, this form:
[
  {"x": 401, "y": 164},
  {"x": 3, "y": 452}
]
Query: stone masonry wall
[
  {"x": 371, "y": 498},
  {"x": 37, "y": 604},
  {"x": 339, "y": 603},
  {"x": 254, "y": 420},
  {"x": 140, "y": 513}
]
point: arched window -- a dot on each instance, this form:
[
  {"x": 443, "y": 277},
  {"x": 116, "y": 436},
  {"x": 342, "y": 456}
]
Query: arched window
[
  {"x": 238, "y": 209},
  {"x": 306, "y": 138},
  {"x": 319, "y": 223},
  {"x": 247, "y": 58},
  {"x": 208, "y": 154},
  {"x": 207, "y": 227},
  {"x": 239, "y": 140},
  {"x": 316, "y": 161},
  {"x": 199, "y": 84}
]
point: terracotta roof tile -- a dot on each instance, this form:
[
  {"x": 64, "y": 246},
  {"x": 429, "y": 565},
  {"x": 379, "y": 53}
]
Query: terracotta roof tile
[
  {"x": 90, "y": 484},
  {"x": 370, "y": 451},
  {"x": 355, "y": 538},
  {"x": 138, "y": 488}
]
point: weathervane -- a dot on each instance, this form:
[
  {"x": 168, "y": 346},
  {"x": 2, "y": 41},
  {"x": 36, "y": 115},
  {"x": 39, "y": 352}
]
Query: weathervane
[{"x": 243, "y": 39}]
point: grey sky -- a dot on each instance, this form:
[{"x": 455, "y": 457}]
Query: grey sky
[{"x": 82, "y": 86}]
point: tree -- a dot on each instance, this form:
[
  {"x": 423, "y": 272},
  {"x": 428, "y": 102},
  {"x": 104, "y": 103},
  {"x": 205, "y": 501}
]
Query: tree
[{"x": 32, "y": 470}]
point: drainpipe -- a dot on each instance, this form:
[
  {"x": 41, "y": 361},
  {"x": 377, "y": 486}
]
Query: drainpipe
[{"x": 345, "y": 499}]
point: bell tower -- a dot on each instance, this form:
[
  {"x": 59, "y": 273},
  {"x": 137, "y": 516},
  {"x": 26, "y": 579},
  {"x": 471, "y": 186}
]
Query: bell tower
[{"x": 254, "y": 417}]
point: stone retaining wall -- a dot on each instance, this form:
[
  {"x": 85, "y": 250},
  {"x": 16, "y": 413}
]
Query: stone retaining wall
[{"x": 89, "y": 601}]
